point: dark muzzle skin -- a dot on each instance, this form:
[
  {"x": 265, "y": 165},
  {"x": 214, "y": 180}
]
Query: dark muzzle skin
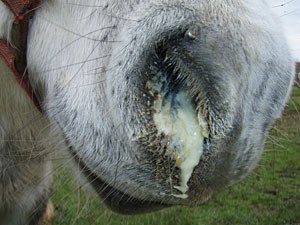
[{"x": 183, "y": 101}]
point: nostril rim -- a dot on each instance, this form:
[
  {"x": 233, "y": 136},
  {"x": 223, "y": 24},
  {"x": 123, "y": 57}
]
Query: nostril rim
[{"x": 206, "y": 145}]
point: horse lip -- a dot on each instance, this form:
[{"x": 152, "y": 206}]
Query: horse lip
[{"x": 116, "y": 200}]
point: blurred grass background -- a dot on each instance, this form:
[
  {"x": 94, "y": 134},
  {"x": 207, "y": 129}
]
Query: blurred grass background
[{"x": 270, "y": 196}]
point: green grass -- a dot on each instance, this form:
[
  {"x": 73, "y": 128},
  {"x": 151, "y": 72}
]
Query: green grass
[
  {"x": 296, "y": 91},
  {"x": 294, "y": 103},
  {"x": 270, "y": 196}
]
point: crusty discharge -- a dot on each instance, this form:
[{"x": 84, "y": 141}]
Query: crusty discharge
[{"x": 186, "y": 131}]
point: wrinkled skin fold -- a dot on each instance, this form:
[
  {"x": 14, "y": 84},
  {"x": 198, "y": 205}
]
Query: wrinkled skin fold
[{"x": 109, "y": 74}]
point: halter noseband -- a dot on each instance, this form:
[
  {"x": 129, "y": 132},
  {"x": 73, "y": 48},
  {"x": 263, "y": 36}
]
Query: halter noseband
[{"x": 13, "y": 53}]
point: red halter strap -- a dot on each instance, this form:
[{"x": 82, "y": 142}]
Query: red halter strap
[
  {"x": 14, "y": 53},
  {"x": 21, "y": 7}
]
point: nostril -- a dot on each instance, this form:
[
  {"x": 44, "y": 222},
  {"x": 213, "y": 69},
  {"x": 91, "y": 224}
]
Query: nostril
[
  {"x": 167, "y": 70},
  {"x": 181, "y": 131}
]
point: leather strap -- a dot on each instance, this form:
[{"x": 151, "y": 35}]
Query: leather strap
[
  {"x": 9, "y": 58},
  {"x": 21, "y": 7},
  {"x": 14, "y": 53}
]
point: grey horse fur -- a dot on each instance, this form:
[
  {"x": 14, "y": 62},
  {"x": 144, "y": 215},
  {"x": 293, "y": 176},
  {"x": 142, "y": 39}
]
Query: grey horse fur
[{"x": 89, "y": 62}]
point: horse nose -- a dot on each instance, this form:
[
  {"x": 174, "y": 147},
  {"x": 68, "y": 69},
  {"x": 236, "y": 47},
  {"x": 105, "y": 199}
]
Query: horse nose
[{"x": 156, "y": 77}]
